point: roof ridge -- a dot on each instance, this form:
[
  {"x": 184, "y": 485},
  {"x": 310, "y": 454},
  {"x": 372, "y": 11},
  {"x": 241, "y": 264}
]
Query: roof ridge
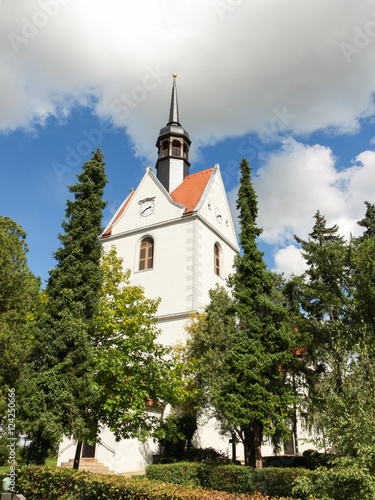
[{"x": 200, "y": 172}]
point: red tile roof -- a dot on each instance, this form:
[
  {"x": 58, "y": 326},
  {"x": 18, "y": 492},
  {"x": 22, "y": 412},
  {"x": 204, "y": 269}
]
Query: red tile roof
[
  {"x": 190, "y": 191},
  {"x": 109, "y": 230}
]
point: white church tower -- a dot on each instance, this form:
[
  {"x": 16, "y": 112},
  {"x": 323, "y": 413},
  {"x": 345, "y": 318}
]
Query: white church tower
[{"x": 175, "y": 233}]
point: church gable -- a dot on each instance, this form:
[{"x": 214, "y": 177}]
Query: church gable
[
  {"x": 148, "y": 205},
  {"x": 214, "y": 208}
]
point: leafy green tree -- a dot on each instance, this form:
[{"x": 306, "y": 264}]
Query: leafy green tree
[
  {"x": 135, "y": 377},
  {"x": 337, "y": 295},
  {"x": 254, "y": 397},
  {"x": 18, "y": 296},
  {"x": 61, "y": 396},
  {"x": 348, "y": 415},
  {"x": 325, "y": 295},
  {"x": 208, "y": 339}
]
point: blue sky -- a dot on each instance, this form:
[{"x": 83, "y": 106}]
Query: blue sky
[{"x": 289, "y": 85}]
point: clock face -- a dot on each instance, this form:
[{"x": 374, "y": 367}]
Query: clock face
[
  {"x": 219, "y": 217},
  {"x": 146, "y": 208}
]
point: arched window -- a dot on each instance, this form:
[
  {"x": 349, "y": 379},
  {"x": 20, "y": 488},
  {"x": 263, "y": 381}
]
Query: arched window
[
  {"x": 217, "y": 259},
  {"x": 176, "y": 148},
  {"x": 146, "y": 254}
]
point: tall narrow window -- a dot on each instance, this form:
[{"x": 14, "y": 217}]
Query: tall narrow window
[
  {"x": 146, "y": 254},
  {"x": 217, "y": 259},
  {"x": 164, "y": 149}
]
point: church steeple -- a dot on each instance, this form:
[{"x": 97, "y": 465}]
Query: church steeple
[
  {"x": 173, "y": 148},
  {"x": 173, "y": 113}
]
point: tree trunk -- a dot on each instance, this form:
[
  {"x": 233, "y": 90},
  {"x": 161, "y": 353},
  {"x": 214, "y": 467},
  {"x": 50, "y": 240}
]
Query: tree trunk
[
  {"x": 77, "y": 455},
  {"x": 233, "y": 447},
  {"x": 248, "y": 445},
  {"x": 258, "y": 433},
  {"x": 295, "y": 421}
]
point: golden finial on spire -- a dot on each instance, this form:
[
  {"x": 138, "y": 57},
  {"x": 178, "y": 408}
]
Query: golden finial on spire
[{"x": 174, "y": 75}]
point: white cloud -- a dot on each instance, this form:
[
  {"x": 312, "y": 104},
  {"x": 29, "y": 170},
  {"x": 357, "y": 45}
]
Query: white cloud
[
  {"x": 296, "y": 181},
  {"x": 289, "y": 261},
  {"x": 236, "y": 64}
]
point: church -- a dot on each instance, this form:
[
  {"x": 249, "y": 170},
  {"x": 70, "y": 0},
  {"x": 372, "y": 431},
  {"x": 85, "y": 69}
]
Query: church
[{"x": 176, "y": 234}]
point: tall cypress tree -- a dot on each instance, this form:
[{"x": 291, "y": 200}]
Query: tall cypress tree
[
  {"x": 255, "y": 397},
  {"x": 63, "y": 399}
]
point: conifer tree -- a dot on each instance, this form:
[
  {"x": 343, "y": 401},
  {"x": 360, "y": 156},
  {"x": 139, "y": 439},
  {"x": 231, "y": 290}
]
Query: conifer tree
[
  {"x": 326, "y": 297},
  {"x": 368, "y": 222},
  {"x": 337, "y": 294},
  {"x": 62, "y": 398},
  {"x": 255, "y": 397},
  {"x": 363, "y": 264}
]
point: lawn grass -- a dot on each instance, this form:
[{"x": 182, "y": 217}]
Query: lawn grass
[{"x": 5, "y": 469}]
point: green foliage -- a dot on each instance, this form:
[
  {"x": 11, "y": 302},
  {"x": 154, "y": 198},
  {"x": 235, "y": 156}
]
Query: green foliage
[
  {"x": 338, "y": 483},
  {"x": 205, "y": 455},
  {"x": 59, "y": 396},
  {"x": 240, "y": 349},
  {"x": 208, "y": 335},
  {"x": 336, "y": 295},
  {"x": 230, "y": 478},
  {"x": 348, "y": 415},
  {"x": 368, "y": 222},
  {"x": 255, "y": 397},
  {"x": 178, "y": 429},
  {"x": 18, "y": 295},
  {"x": 135, "y": 377},
  {"x": 4, "y": 451},
  {"x": 43, "y": 483}
]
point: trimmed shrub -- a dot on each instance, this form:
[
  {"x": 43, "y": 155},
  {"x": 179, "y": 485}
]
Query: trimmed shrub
[
  {"x": 274, "y": 481},
  {"x": 230, "y": 478},
  {"x": 44, "y": 483},
  {"x": 338, "y": 483}
]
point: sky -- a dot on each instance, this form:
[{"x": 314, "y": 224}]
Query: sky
[{"x": 288, "y": 84}]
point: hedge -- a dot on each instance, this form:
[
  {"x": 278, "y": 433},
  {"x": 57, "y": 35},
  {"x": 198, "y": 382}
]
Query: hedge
[
  {"x": 338, "y": 483},
  {"x": 45, "y": 483},
  {"x": 230, "y": 478}
]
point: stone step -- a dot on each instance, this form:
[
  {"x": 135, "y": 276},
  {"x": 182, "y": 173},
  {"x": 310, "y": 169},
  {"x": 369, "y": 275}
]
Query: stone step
[{"x": 90, "y": 465}]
